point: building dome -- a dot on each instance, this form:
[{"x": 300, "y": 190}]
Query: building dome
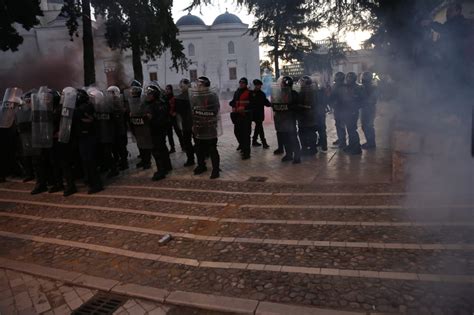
[
  {"x": 227, "y": 18},
  {"x": 190, "y": 20}
]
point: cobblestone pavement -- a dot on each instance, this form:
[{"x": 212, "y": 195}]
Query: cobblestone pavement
[{"x": 322, "y": 243}]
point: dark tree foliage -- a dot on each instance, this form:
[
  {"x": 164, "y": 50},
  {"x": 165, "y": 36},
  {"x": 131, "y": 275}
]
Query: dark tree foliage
[
  {"x": 144, "y": 26},
  {"x": 325, "y": 58},
  {"x": 73, "y": 10},
  {"x": 23, "y": 12}
]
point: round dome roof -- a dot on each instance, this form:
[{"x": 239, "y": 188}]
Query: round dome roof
[
  {"x": 227, "y": 18},
  {"x": 190, "y": 19}
]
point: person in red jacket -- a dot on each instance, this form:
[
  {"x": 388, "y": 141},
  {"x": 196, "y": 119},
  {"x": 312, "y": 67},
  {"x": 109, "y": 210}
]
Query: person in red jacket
[{"x": 242, "y": 117}]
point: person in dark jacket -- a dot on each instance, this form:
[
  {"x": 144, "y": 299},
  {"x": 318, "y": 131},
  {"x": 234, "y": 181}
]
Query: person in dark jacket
[
  {"x": 335, "y": 101},
  {"x": 184, "y": 117},
  {"x": 258, "y": 101},
  {"x": 173, "y": 122},
  {"x": 367, "y": 113},
  {"x": 159, "y": 126},
  {"x": 242, "y": 117},
  {"x": 351, "y": 104}
]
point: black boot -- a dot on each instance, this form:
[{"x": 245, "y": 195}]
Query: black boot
[
  {"x": 39, "y": 188},
  {"x": 158, "y": 176},
  {"x": 69, "y": 190},
  {"x": 189, "y": 162},
  {"x": 265, "y": 144},
  {"x": 255, "y": 143},
  {"x": 215, "y": 174},
  {"x": 56, "y": 188},
  {"x": 200, "y": 169}
]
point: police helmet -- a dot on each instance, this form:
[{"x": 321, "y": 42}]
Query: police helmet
[
  {"x": 136, "y": 83},
  {"x": 205, "y": 81},
  {"x": 287, "y": 81},
  {"x": 351, "y": 78},
  {"x": 114, "y": 90},
  {"x": 339, "y": 77},
  {"x": 366, "y": 77},
  {"x": 82, "y": 96}
]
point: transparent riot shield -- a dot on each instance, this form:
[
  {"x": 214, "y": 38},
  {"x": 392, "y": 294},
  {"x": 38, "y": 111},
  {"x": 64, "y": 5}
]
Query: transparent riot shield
[
  {"x": 68, "y": 98},
  {"x": 281, "y": 98},
  {"x": 104, "y": 122},
  {"x": 11, "y": 100},
  {"x": 283, "y": 117},
  {"x": 42, "y": 119},
  {"x": 183, "y": 110},
  {"x": 205, "y": 107}
]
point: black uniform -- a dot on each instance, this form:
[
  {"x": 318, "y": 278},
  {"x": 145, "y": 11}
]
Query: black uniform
[
  {"x": 321, "y": 119},
  {"x": 369, "y": 101},
  {"x": 87, "y": 142},
  {"x": 120, "y": 152},
  {"x": 159, "y": 125},
  {"x": 258, "y": 101},
  {"x": 183, "y": 110},
  {"x": 352, "y": 100},
  {"x": 337, "y": 105}
]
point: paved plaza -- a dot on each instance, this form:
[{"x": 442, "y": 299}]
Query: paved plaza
[{"x": 332, "y": 235}]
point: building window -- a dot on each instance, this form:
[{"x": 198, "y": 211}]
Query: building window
[
  {"x": 193, "y": 75},
  {"x": 191, "y": 51},
  {"x": 153, "y": 76},
  {"x": 231, "y": 48},
  {"x": 232, "y": 73}
]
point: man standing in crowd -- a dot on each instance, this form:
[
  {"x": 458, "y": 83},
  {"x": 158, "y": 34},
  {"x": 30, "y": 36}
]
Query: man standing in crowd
[
  {"x": 368, "y": 110},
  {"x": 119, "y": 120},
  {"x": 351, "y": 104},
  {"x": 242, "y": 117},
  {"x": 306, "y": 115},
  {"x": 184, "y": 118},
  {"x": 259, "y": 101},
  {"x": 335, "y": 101}
]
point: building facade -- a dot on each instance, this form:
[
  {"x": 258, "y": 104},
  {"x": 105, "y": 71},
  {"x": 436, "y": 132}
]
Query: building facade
[{"x": 221, "y": 51}]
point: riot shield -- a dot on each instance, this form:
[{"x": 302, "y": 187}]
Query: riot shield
[
  {"x": 281, "y": 98},
  {"x": 42, "y": 119},
  {"x": 206, "y": 116},
  {"x": 11, "y": 100},
  {"x": 283, "y": 117},
  {"x": 68, "y": 98},
  {"x": 104, "y": 122},
  {"x": 23, "y": 123}
]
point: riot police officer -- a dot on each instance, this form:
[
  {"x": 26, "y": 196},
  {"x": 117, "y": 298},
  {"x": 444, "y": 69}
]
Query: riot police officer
[
  {"x": 335, "y": 101},
  {"x": 119, "y": 121},
  {"x": 67, "y": 139},
  {"x": 103, "y": 106},
  {"x": 140, "y": 116},
  {"x": 351, "y": 103},
  {"x": 284, "y": 103},
  {"x": 11, "y": 100},
  {"x": 242, "y": 117},
  {"x": 45, "y": 126},
  {"x": 87, "y": 140},
  {"x": 159, "y": 124},
  {"x": 306, "y": 115},
  {"x": 23, "y": 123},
  {"x": 207, "y": 126},
  {"x": 173, "y": 123},
  {"x": 368, "y": 110},
  {"x": 185, "y": 120},
  {"x": 321, "y": 110}
]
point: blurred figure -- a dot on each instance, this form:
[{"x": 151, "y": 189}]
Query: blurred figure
[
  {"x": 335, "y": 101},
  {"x": 368, "y": 111},
  {"x": 119, "y": 114},
  {"x": 351, "y": 104}
]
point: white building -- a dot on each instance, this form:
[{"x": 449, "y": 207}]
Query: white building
[{"x": 221, "y": 51}]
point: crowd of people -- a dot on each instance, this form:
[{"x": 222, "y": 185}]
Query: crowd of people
[{"x": 56, "y": 138}]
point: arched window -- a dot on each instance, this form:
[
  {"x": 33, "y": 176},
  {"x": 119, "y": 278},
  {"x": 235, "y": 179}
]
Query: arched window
[
  {"x": 231, "y": 48},
  {"x": 191, "y": 51}
]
